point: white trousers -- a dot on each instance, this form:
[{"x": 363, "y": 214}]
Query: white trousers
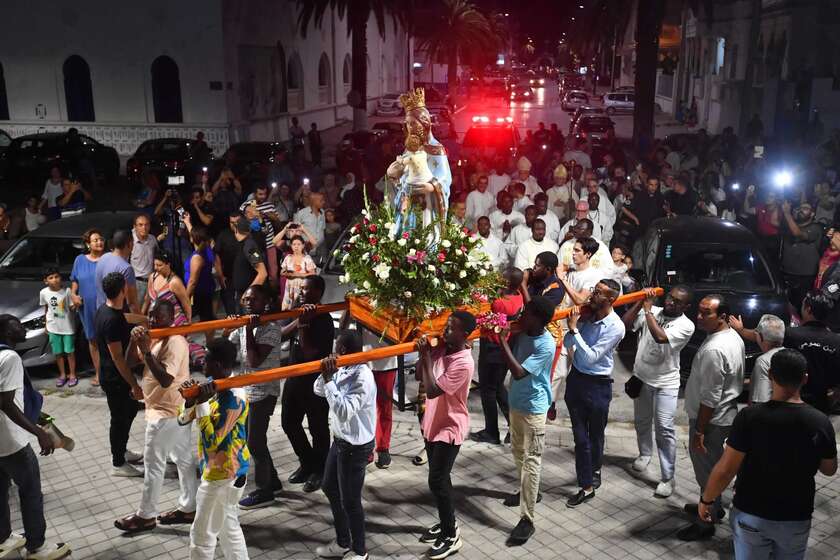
[
  {"x": 560, "y": 373},
  {"x": 217, "y": 518},
  {"x": 166, "y": 439}
]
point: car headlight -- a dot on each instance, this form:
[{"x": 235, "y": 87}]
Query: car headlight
[{"x": 36, "y": 323}]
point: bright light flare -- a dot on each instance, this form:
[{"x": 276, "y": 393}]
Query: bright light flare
[{"x": 783, "y": 179}]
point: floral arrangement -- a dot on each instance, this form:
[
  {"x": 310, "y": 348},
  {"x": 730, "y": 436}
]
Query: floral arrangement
[
  {"x": 491, "y": 322},
  {"x": 420, "y": 271}
]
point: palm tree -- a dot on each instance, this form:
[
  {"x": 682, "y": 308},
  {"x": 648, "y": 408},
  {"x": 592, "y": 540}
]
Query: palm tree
[
  {"x": 358, "y": 13},
  {"x": 455, "y": 30}
]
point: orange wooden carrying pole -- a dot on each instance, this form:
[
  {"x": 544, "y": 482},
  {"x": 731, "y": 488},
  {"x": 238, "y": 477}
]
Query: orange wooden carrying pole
[
  {"x": 361, "y": 357},
  {"x": 218, "y": 324}
]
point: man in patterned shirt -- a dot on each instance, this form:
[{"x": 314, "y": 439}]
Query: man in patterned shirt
[{"x": 222, "y": 420}]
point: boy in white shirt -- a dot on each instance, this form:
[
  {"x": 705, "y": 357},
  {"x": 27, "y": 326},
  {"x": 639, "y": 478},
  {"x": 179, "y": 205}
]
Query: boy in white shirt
[{"x": 56, "y": 301}]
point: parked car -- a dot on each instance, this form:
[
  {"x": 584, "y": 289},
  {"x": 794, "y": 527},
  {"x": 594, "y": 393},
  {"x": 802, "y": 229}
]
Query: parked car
[
  {"x": 389, "y": 105},
  {"x": 490, "y": 138},
  {"x": 55, "y": 244},
  {"x": 5, "y": 140},
  {"x": 619, "y": 102},
  {"x": 573, "y": 100},
  {"x": 170, "y": 158},
  {"x": 351, "y": 149},
  {"x": 28, "y": 159},
  {"x": 252, "y": 162},
  {"x": 713, "y": 256},
  {"x": 584, "y": 110},
  {"x": 594, "y": 128}
]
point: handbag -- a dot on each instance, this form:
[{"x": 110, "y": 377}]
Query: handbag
[{"x": 633, "y": 387}]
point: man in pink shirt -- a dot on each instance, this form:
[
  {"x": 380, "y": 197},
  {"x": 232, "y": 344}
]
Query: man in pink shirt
[{"x": 446, "y": 372}]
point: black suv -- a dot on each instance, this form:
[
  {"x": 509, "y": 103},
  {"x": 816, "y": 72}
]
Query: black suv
[{"x": 170, "y": 158}]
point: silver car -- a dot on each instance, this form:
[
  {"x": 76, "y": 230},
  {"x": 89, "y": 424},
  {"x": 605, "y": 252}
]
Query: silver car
[
  {"x": 619, "y": 102},
  {"x": 55, "y": 244}
]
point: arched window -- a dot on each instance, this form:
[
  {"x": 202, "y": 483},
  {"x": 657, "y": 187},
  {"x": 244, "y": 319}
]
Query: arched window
[
  {"x": 295, "y": 72},
  {"x": 4, "y": 103},
  {"x": 166, "y": 91},
  {"x": 78, "y": 92},
  {"x": 279, "y": 72},
  {"x": 324, "y": 79},
  {"x": 347, "y": 72}
]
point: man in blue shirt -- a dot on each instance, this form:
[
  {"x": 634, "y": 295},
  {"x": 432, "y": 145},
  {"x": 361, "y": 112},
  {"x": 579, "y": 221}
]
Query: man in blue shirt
[
  {"x": 530, "y": 396},
  {"x": 589, "y": 385}
]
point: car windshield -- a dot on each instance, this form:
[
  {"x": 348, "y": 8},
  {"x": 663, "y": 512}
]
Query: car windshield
[
  {"x": 732, "y": 267},
  {"x": 488, "y": 138},
  {"x": 169, "y": 149},
  {"x": 31, "y": 254},
  {"x": 596, "y": 124}
]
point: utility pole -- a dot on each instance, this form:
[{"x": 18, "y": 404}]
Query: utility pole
[{"x": 612, "y": 64}]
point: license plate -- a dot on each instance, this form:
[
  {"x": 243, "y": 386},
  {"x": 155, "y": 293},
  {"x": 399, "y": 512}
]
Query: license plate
[{"x": 176, "y": 180}]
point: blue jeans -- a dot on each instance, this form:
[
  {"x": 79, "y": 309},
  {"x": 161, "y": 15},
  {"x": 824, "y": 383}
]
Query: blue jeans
[
  {"x": 655, "y": 408},
  {"x": 588, "y": 400},
  {"x": 757, "y": 538}
]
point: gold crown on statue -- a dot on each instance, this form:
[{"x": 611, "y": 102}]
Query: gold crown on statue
[{"x": 413, "y": 99}]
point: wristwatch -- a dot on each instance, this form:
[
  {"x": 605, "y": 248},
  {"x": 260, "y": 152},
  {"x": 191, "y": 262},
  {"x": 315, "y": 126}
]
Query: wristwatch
[{"x": 573, "y": 331}]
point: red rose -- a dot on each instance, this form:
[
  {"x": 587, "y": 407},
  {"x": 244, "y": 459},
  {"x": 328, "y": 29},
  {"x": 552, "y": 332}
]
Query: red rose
[
  {"x": 372, "y": 228},
  {"x": 405, "y": 235},
  {"x": 441, "y": 257},
  {"x": 367, "y": 221},
  {"x": 357, "y": 228},
  {"x": 466, "y": 230},
  {"x": 376, "y": 258},
  {"x": 372, "y": 240}
]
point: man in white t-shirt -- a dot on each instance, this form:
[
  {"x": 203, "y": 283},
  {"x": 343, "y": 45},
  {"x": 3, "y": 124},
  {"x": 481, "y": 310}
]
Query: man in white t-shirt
[
  {"x": 663, "y": 333},
  {"x": 602, "y": 258},
  {"x": 18, "y": 462},
  {"x": 480, "y": 202},
  {"x": 492, "y": 245},
  {"x": 527, "y": 251}
]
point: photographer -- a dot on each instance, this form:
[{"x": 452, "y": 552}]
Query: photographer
[
  {"x": 227, "y": 192},
  {"x": 200, "y": 208},
  {"x": 800, "y": 249}
]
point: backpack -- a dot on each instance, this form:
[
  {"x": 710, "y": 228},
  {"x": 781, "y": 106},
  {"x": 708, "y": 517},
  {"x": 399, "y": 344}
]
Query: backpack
[{"x": 32, "y": 399}]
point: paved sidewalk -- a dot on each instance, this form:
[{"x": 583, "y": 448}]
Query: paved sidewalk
[{"x": 624, "y": 521}]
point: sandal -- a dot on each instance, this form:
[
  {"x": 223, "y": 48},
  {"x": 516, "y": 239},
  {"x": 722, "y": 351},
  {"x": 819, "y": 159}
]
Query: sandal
[
  {"x": 176, "y": 517},
  {"x": 94, "y": 382},
  {"x": 60, "y": 382},
  {"x": 134, "y": 524},
  {"x": 73, "y": 382}
]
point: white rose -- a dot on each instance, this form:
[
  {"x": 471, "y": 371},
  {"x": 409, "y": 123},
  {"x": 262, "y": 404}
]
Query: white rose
[
  {"x": 354, "y": 238},
  {"x": 407, "y": 294},
  {"x": 431, "y": 268},
  {"x": 401, "y": 242},
  {"x": 459, "y": 252},
  {"x": 462, "y": 274},
  {"x": 435, "y": 282},
  {"x": 366, "y": 285},
  {"x": 482, "y": 273},
  {"x": 366, "y": 256},
  {"x": 342, "y": 279},
  {"x": 417, "y": 242},
  {"x": 335, "y": 253},
  {"x": 450, "y": 286},
  {"x": 384, "y": 275},
  {"x": 344, "y": 258},
  {"x": 446, "y": 243},
  {"x": 412, "y": 251}
]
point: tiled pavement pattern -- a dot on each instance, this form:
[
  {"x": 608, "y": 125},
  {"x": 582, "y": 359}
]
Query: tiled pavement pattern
[{"x": 624, "y": 521}]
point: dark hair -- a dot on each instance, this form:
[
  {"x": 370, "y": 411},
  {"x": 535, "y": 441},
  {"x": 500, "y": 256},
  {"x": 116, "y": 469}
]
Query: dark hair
[
  {"x": 222, "y": 351},
  {"x": 516, "y": 185},
  {"x": 317, "y": 283},
  {"x": 261, "y": 187},
  {"x": 49, "y": 271},
  {"x": 542, "y": 308},
  {"x": 236, "y": 214},
  {"x": 548, "y": 259},
  {"x": 352, "y": 340},
  {"x": 611, "y": 284},
  {"x": 141, "y": 215},
  {"x": 723, "y": 305},
  {"x": 113, "y": 284},
  {"x": 540, "y": 196},
  {"x": 589, "y": 245},
  {"x": 540, "y": 220},
  {"x": 163, "y": 256},
  {"x": 587, "y": 223},
  {"x": 621, "y": 247},
  {"x": 121, "y": 239},
  {"x": 819, "y": 304},
  {"x": 6, "y": 320},
  {"x": 298, "y": 238},
  {"x": 685, "y": 288},
  {"x": 198, "y": 190},
  {"x": 788, "y": 368},
  {"x": 200, "y": 236},
  {"x": 466, "y": 319}
]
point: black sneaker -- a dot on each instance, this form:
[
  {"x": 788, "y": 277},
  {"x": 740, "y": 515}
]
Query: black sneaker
[
  {"x": 596, "y": 480},
  {"x": 696, "y": 532},
  {"x": 299, "y": 476},
  {"x": 579, "y": 498},
  {"x": 691, "y": 509},
  {"x": 484, "y": 436},
  {"x": 256, "y": 500},
  {"x": 523, "y": 531},
  {"x": 513, "y": 499},
  {"x": 312, "y": 483},
  {"x": 277, "y": 487},
  {"x": 383, "y": 460},
  {"x": 445, "y": 546},
  {"x": 432, "y": 534}
]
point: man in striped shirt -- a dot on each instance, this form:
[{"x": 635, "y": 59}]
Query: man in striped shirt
[{"x": 266, "y": 213}]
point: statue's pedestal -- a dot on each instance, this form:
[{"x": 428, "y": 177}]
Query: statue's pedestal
[{"x": 396, "y": 327}]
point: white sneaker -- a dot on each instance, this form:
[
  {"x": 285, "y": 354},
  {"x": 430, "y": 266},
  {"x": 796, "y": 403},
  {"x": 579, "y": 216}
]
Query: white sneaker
[
  {"x": 10, "y": 546},
  {"x": 641, "y": 463},
  {"x": 353, "y": 556},
  {"x": 133, "y": 457},
  {"x": 48, "y": 551},
  {"x": 332, "y": 550},
  {"x": 126, "y": 470},
  {"x": 665, "y": 488}
]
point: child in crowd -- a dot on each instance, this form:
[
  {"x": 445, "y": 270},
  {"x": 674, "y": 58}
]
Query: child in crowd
[
  {"x": 56, "y": 301},
  {"x": 332, "y": 228},
  {"x": 622, "y": 264},
  {"x": 224, "y": 457}
]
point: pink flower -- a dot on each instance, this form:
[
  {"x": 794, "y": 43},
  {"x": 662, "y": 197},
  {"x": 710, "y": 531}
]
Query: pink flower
[
  {"x": 463, "y": 249},
  {"x": 405, "y": 235},
  {"x": 441, "y": 257},
  {"x": 418, "y": 258},
  {"x": 466, "y": 231}
]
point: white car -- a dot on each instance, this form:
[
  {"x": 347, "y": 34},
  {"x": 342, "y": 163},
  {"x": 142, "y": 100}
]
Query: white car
[
  {"x": 389, "y": 105},
  {"x": 619, "y": 102},
  {"x": 573, "y": 100}
]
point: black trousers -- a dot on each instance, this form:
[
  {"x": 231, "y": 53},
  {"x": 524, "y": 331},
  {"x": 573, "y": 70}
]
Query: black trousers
[
  {"x": 491, "y": 378},
  {"x": 588, "y": 400},
  {"x": 123, "y": 409},
  {"x": 298, "y": 401},
  {"x": 21, "y": 468},
  {"x": 259, "y": 415},
  {"x": 441, "y": 459},
  {"x": 344, "y": 477}
]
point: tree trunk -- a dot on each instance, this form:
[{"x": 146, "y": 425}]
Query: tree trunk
[
  {"x": 746, "y": 92},
  {"x": 648, "y": 28},
  {"x": 358, "y": 96},
  {"x": 452, "y": 75}
]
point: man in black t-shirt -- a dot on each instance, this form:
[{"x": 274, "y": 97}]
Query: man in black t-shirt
[
  {"x": 225, "y": 249},
  {"x": 776, "y": 449},
  {"x": 312, "y": 340},
  {"x": 121, "y": 388},
  {"x": 248, "y": 262}
]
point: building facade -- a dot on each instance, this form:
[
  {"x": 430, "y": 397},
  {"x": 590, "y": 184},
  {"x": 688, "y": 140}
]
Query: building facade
[{"x": 125, "y": 72}]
